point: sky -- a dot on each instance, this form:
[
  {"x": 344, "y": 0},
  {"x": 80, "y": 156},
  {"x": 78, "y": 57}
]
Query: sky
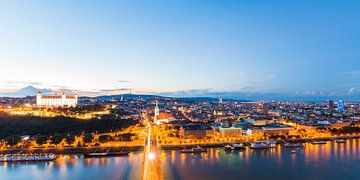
[{"x": 261, "y": 49}]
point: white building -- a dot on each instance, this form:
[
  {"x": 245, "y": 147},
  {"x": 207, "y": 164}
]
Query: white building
[
  {"x": 230, "y": 131},
  {"x": 156, "y": 113},
  {"x": 56, "y": 100}
]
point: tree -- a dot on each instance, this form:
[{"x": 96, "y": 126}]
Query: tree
[
  {"x": 40, "y": 140},
  {"x": 88, "y": 138},
  {"x": 126, "y": 136},
  {"x": 104, "y": 138},
  {"x": 57, "y": 138},
  {"x": 70, "y": 139},
  {"x": 13, "y": 140},
  {"x": 34, "y": 125}
]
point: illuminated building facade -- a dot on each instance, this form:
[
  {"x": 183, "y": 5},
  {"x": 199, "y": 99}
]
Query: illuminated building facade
[
  {"x": 340, "y": 106},
  {"x": 331, "y": 105},
  {"x": 156, "y": 112},
  {"x": 56, "y": 100}
]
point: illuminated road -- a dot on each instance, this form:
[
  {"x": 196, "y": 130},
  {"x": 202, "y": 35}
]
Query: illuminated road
[{"x": 151, "y": 163}]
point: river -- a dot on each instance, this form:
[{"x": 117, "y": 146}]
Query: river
[{"x": 329, "y": 161}]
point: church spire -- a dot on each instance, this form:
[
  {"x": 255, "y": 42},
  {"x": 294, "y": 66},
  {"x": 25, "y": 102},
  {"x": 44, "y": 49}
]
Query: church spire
[{"x": 156, "y": 111}]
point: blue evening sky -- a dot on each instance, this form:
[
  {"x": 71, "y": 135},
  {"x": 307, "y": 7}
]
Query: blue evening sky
[{"x": 309, "y": 48}]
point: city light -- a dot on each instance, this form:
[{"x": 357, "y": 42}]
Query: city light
[
  {"x": 151, "y": 156},
  {"x": 157, "y": 90}
]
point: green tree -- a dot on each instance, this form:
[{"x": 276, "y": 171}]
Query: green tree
[
  {"x": 56, "y": 139},
  {"x": 104, "y": 138},
  {"x": 40, "y": 140},
  {"x": 88, "y": 138},
  {"x": 13, "y": 140},
  {"x": 126, "y": 136},
  {"x": 70, "y": 139}
]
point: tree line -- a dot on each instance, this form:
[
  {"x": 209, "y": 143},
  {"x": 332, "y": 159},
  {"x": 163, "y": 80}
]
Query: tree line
[
  {"x": 345, "y": 130},
  {"x": 48, "y": 126}
]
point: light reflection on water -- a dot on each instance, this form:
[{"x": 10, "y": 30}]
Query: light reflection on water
[{"x": 329, "y": 161}]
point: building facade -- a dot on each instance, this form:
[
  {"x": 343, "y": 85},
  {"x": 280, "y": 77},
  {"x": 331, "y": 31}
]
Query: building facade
[
  {"x": 193, "y": 131},
  {"x": 56, "y": 100},
  {"x": 230, "y": 131}
]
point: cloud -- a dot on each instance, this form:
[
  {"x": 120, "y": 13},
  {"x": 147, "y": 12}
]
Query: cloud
[
  {"x": 187, "y": 92},
  {"x": 350, "y": 73},
  {"x": 95, "y": 92},
  {"x": 18, "y": 84},
  {"x": 35, "y": 83},
  {"x": 123, "y": 81},
  {"x": 271, "y": 76},
  {"x": 310, "y": 93},
  {"x": 249, "y": 88},
  {"x": 351, "y": 91},
  {"x": 115, "y": 89}
]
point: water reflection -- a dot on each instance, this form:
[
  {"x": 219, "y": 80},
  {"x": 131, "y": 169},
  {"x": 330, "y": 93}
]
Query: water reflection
[{"x": 328, "y": 161}]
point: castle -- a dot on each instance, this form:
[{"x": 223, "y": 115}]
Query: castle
[{"x": 56, "y": 100}]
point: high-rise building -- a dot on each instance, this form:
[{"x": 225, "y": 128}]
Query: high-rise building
[
  {"x": 340, "y": 106},
  {"x": 265, "y": 107},
  {"x": 331, "y": 105},
  {"x": 220, "y": 101}
]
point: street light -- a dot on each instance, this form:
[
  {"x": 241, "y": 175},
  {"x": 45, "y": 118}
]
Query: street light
[{"x": 151, "y": 156}]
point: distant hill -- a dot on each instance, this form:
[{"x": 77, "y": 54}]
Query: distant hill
[
  {"x": 26, "y": 91},
  {"x": 203, "y": 97},
  {"x": 206, "y": 99},
  {"x": 130, "y": 96},
  {"x": 152, "y": 97}
]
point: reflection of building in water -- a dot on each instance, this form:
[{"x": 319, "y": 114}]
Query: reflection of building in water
[{"x": 56, "y": 100}]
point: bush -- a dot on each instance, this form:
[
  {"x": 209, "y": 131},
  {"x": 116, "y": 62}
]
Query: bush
[
  {"x": 40, "y": 140},
  {"x": 56, "y": 139},
  {"x": 13, "y": 140},
  {"x": 126, "y": 136},
  {"x": 34, "y": 125},
  {"x": 105, "y": 138},
  {"x": 88, "y": 138},
  {"x": 70, "y": 139}
]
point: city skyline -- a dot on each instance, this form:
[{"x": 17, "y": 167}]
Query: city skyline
[{"x": 245, "y": 50}]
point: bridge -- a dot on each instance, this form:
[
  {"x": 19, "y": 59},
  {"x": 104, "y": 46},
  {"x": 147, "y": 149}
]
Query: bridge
[{"x": 151, "y": 166}]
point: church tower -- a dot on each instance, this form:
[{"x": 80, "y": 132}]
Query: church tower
[{"x": 156, "y": 111}]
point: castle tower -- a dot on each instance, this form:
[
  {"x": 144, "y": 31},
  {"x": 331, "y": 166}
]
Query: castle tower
[
  {"x": 63, "y": 99},
  {"x": 38, "y": 99},
  {"x": 76, "y": 99}
]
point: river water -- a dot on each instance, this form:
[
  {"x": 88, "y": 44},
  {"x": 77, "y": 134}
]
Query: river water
[{"x": 330, "y": 161}]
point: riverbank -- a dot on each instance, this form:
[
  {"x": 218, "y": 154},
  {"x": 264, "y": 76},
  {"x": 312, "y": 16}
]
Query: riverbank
[
  {"x": 133, "y": 148},
  {"x": 72, "y": 150}
]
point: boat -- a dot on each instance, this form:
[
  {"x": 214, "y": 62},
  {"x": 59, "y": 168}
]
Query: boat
[
  {"x": 318, "y": 142},
  {"x": 196, "y": 149},
  {"x": 228, "y": 147},
  {"x": 90, "y": 155},
  {"x": 106, "y": 154},
  {"x": 238, "y": 146},
  {"x": 340, "y": 141},
  {"x": 293, "y": 145},
  {"x": 27, "y": 157},
  {"x": 260, "y": 145},
  {"x": 272, "y": 143}
]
